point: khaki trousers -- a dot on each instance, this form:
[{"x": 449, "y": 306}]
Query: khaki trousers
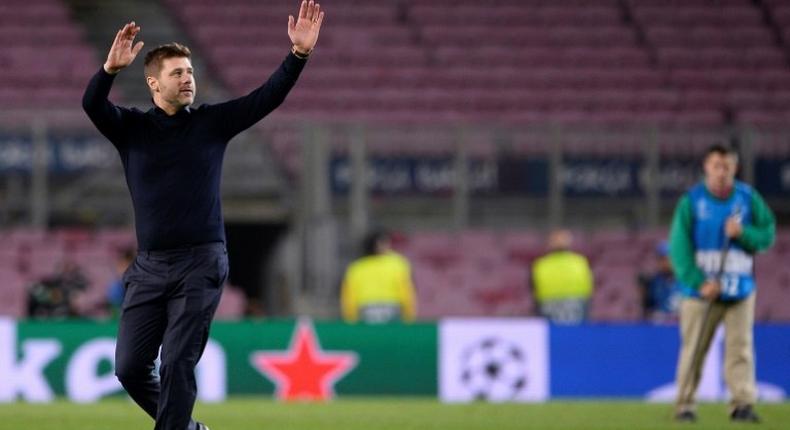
[{"x": 738, "y": 321}]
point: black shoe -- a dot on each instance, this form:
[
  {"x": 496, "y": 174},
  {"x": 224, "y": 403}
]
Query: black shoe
[
  {"x": 201, "y": 426},
  {"x": 686, "y": 417},
  {"x": 744, "y": 414}
]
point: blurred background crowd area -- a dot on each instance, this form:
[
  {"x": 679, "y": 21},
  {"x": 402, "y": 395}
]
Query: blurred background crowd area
[
  {"x": 466, "y": 273},
  {"x": 469, "y": 128}
]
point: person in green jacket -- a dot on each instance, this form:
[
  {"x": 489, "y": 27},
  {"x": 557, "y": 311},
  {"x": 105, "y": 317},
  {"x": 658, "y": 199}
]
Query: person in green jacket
[{"x": 718, "y": 219}]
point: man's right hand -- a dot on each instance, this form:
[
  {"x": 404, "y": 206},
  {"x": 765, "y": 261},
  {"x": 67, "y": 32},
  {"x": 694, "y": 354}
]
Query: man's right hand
[
  {"x": 122, "y": 53},
  {"x": 710, "y": 290}
]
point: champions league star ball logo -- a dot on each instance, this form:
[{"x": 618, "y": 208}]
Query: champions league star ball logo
[{"x": 494, "y": 370}]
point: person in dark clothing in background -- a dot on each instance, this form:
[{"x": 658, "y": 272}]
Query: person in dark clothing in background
[
  {"x": 53, "y": 296},
  {"x": 660, "y": 289},
  {"x": 172, "y": 157}
]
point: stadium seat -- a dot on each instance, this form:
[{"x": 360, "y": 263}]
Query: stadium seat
[{"x": 45, "y": 61}]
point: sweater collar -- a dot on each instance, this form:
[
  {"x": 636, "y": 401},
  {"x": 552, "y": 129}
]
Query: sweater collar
[{"x": 159, "y": 112}]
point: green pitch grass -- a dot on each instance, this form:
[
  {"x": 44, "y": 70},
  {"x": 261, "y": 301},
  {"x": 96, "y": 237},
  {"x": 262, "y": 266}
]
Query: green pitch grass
[{"x": 384, "y": 414}]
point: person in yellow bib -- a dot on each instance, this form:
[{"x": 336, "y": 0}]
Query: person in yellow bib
[
  {"x": 377, "y": 287},
  {"x": 562, "y": 281}
]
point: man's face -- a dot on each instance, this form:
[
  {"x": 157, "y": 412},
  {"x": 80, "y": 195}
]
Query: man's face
[
  {"x": 720, "y": 172},
  {"x": 664, "y": 264},
  {"x": 175, "y": 84}
]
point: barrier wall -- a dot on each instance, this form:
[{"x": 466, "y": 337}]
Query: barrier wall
[{"x": 456, "y": 359}]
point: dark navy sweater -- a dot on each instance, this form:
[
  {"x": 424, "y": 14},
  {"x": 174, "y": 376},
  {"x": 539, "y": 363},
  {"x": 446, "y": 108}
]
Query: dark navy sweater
[{"x": 173, "y": 164}]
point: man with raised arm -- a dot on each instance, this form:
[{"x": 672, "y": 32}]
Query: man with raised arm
[{"x": 172, "y": 157}]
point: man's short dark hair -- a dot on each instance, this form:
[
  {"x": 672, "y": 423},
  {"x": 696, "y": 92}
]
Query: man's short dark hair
[
  {"x": 127, "y": 253},
  {"x": 720, "y": 149},
  {"x": 154, "y": 57},
  {"x": 371, "y": 241}
]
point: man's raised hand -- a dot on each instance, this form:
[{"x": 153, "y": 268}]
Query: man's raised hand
[
  {"x": 122, "y": 53},
  {"x": 304, "y": 32}
]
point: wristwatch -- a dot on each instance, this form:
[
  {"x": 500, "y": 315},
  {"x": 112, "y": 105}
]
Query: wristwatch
[{"x": 300, "y": 55}]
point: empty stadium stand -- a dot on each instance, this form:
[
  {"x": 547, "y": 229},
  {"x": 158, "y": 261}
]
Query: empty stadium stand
[
  {"x": 699, "y": 62},
  {"x": 723, "y": 55},
  {"x": 602, "y": 63},
  {"x": 45, "y": 61},
  {"x": 524, "y": 61}
]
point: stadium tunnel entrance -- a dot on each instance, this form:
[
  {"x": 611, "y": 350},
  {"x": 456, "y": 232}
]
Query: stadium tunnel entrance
[{"x": 251, "y": 248}]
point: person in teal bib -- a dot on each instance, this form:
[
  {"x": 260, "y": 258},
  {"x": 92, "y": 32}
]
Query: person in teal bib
[{"x": 717, "y": 218}]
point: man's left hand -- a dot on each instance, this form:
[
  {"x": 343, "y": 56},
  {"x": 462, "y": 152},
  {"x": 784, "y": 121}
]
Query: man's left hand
[
  {"x": 304, "y": 32},
  {"x": 733, "y": 228}
]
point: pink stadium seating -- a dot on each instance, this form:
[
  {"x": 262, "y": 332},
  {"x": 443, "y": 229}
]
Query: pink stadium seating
[
  {"x": 29, "y": 255},
  {"x": 496, "y": 281},
  {"x": 45, "y": 61},
  {"x": 674, "y": 63},
  {"x": 679, "y": 48},
  {"x": 13, "y": 300},
  {"x": 690, "y": 15},
  {"x": 720, "y": 54},
  {"x": 231, "y": 305},
  {"x": 375, "y": 54}
]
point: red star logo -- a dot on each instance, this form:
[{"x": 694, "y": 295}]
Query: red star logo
[{"x": 304, "y": 371}]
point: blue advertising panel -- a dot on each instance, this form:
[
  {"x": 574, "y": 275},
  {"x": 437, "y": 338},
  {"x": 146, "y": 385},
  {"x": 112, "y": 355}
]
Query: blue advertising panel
[
  {"x": 405, "y": 175},
  {"x": 640, "y": 361},
  {"x": 772, "y": 176},
  {"x": 65, "y": 154},
  {"x": 611, "y": 360}
]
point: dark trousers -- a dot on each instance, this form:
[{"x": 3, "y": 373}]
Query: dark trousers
[{"x": 171, "y": 297}]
